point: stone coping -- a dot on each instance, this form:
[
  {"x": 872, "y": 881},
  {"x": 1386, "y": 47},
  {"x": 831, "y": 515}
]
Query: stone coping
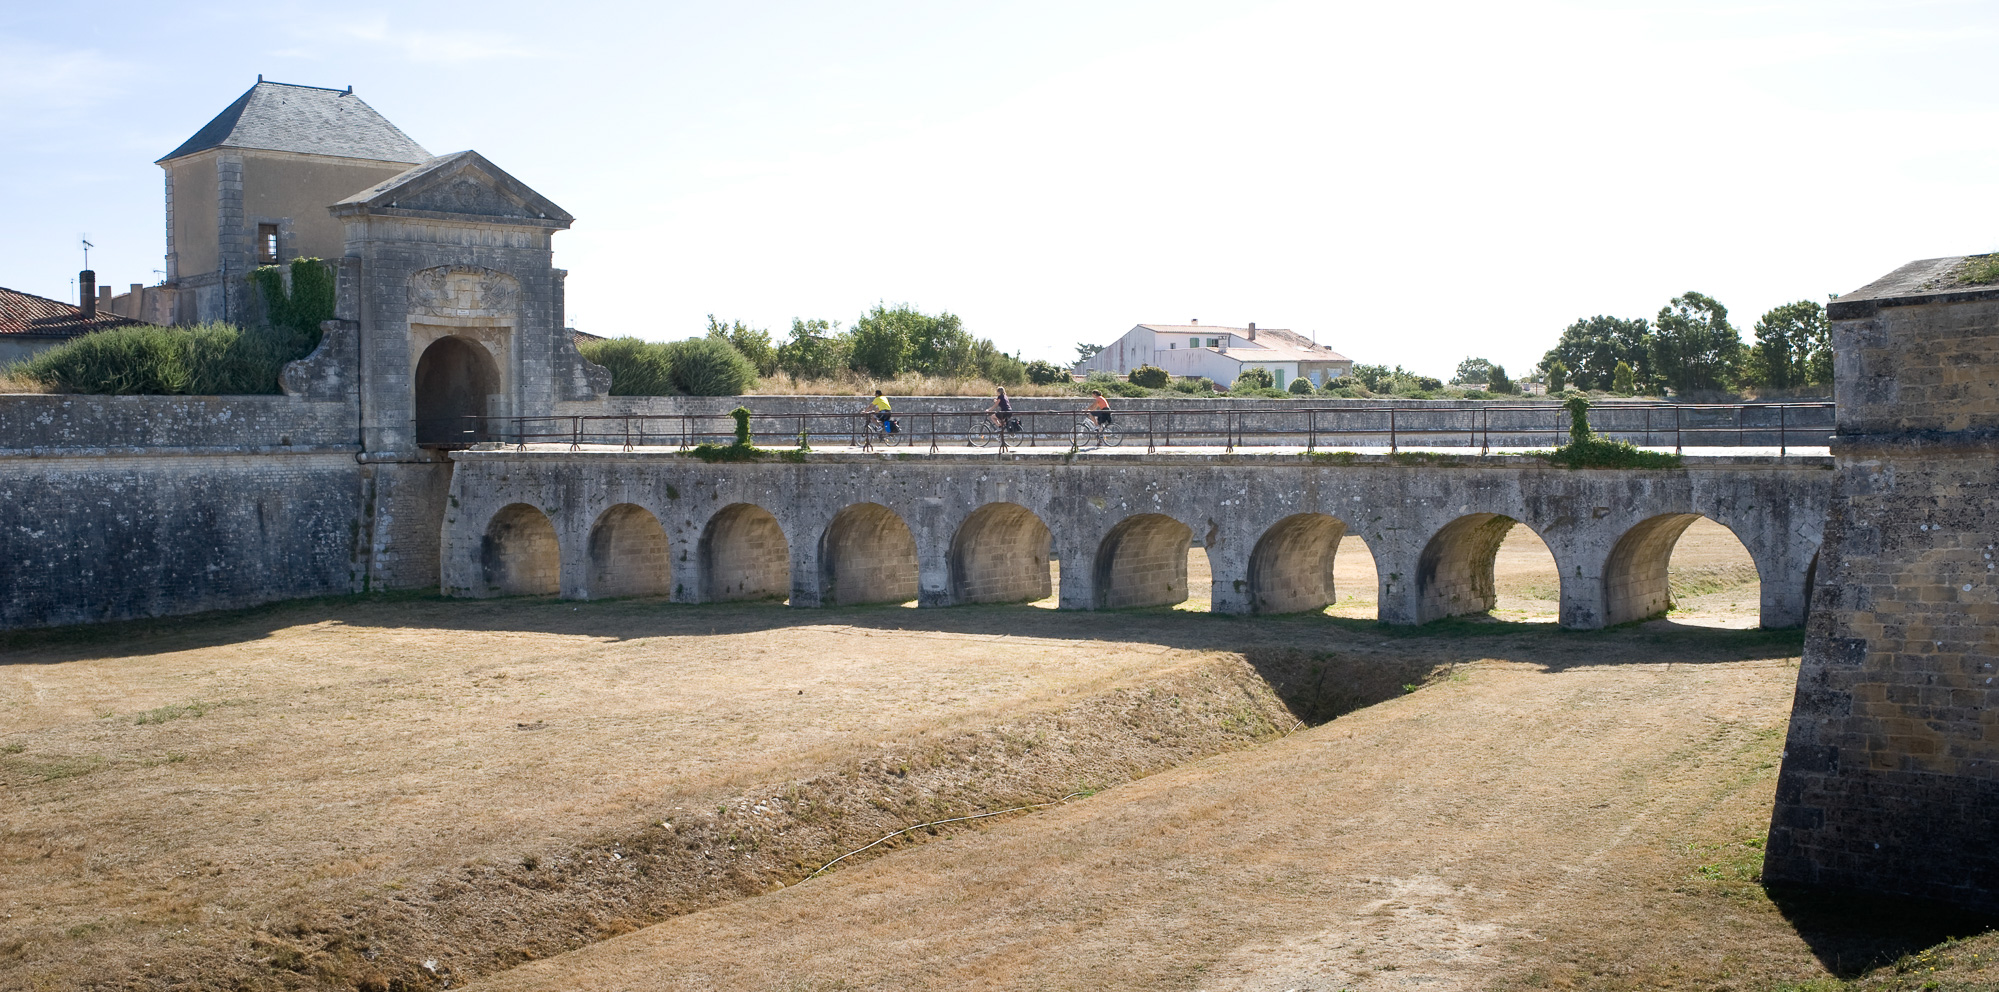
[{"x": 1410, "y": 458}]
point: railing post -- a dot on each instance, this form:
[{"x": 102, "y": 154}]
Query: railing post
[
  {"x": 1678, "y": 440},
  {"x": 1782, "y": 448},
  {"x": 1392, "y": 447},
  {"x": 1311, "y": 431}
]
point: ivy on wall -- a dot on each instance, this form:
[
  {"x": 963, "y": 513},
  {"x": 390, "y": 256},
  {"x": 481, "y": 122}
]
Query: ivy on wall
[{"x": 300, "y": 309}]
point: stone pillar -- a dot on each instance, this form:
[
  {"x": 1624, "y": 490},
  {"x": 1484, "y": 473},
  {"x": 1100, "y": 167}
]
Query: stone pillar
[{"x": 1890, "y": 781}]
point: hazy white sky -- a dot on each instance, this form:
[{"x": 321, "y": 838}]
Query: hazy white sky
[{"x": 1413, "y": 182}]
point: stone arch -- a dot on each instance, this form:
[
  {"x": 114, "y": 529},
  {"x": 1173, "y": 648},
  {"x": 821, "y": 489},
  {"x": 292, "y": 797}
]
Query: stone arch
[
  {"x": 744, "y": 555},
  {"x": 1454, "y": 572},
  {"x": 867, "y": 555},
  {"x": 627, "y": 554},
  {"x": 519, "y": 555},
  {"x": 1291, "y": 567},
  {"x": 1636, "y": 576},
  {"x": 455, "y": 381},
  {"x": 1143, "y": 562},
  {"x": 1000, "y": 555}
]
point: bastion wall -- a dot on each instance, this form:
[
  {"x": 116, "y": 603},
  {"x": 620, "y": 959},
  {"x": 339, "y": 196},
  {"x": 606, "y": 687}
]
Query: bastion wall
[{"x": 1890, "y": 781}]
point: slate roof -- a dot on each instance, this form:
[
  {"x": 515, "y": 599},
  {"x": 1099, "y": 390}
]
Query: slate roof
[
  {"x": 31, "y": 316},
  {"x": 309, "y": 119}
]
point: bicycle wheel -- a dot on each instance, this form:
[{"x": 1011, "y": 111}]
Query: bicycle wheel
[
  {"x": 1109, "y": 436},
  {"x": 979, "y": 432}
]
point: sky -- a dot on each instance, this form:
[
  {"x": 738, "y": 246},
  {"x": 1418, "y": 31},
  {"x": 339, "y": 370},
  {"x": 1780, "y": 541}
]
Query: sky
[{"x": 1411, "y": 184}]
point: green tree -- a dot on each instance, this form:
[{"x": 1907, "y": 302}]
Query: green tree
[
  {"x": 1558, "y": 376},
  {"x": 1086, "y": 351},
  {"x": 1694, "y": 347},
  {"x": 1793, "y": 347},
  {"x": 881, "y": 345},
  {"x": 1498, "y": 381},
  {"x": 1300, "y": 386},
  {"x": 1253, "y": 377},
  {"x": 817, "y": 350},
  {"x": 1046, "y": 373},
  {"x": 1592, "y": 346},
  {"x": 1622, "y": 380},
  {"x": 754, "y": 343},
  {"x": 1377, "y": 378},
  {"x": 1150, "y": 376},
  {"x": 1473, "y": 370}
]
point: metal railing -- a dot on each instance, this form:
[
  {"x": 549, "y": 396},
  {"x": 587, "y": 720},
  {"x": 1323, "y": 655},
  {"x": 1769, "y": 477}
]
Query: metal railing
[{"x": 1316, "y": 428}]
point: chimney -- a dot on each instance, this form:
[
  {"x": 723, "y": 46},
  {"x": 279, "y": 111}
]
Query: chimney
[
  {"x": 1196, "y": 322},
  {"x": 86, "y": 290},
  {"x": 1252, "y": 330}
]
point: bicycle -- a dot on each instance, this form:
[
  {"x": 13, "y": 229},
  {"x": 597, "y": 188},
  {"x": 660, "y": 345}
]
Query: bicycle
[
  {"x": 984, "y": 431},
  {"x": 873, "y": 433},
  {"x": 1101, "y": 435}
]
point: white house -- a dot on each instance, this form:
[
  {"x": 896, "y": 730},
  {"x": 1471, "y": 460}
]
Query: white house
[{"x": 1219, "y": 353}]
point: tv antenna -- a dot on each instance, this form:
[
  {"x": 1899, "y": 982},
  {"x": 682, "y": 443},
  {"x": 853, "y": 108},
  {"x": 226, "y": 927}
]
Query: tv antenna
[{"x": 85, "y": 239}]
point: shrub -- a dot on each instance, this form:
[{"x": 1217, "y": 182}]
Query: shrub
[
  {"x": 1118, "y": 387},
  {"x": 302, "y": 308},
  {"x": 710, "y": 367},
  {"x": 638, "y": 368},
  {"x": 1046, "y": 373},
  {"x": 1302, "y": 387},
  {"x": 1196, "y": 386},
  {"x": 1260, "y": 393},
  {"x": 1622, "y": 380},
  {"x": 1150, "y": 376},
  {"x": 1586, "y": 450},
  {"x": 754, "y": 343},
  {"x": 1253, "y": 378},
  {"x": 206, "y": 360}
]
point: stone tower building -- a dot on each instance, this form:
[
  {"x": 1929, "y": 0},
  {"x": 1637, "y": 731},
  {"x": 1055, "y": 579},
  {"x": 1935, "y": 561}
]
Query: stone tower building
[
  {"x": 252, "y": 186},
  {"x": 1890, "y": 781}
]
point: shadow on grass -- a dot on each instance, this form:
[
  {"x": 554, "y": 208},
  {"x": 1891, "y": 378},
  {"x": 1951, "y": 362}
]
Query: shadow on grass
[
  {"x": 1853, "y": 933},
  {"x": 1449, "y": 641}
]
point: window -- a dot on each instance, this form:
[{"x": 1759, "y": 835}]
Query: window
[
  {"x": 1214, "y": 342},
  {"x": 1193, "y": 342},
  {"x": 267, "y": 244},
  {"x": 1172, "y": 345}
]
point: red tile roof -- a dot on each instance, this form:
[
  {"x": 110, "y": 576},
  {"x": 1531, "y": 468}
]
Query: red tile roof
[{"x": 28, "y": 315}]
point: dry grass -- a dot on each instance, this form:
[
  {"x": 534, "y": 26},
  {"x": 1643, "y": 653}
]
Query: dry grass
[
  {"x": 1572, "y": 811},
  {"x": 318, "y": 794},
  {"x": 905, "y": 385},
  {"x": 11, "y": 383}
]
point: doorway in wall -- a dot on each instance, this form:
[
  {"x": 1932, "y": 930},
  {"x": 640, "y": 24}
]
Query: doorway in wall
[{"x": 455, "y": 381}]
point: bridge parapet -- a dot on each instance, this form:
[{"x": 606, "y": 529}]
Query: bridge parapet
[{"x": 948, "y": 529}]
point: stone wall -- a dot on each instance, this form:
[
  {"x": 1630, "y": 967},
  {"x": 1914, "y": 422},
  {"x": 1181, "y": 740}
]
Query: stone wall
[{"x": 1890, "y": 782}]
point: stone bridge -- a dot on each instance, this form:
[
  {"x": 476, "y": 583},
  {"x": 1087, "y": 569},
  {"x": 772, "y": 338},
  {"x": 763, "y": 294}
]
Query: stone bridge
[{"x": 945, "y": 530}]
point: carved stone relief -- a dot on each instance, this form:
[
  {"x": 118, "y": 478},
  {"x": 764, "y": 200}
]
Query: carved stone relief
[{"x": 463, "y": 291}]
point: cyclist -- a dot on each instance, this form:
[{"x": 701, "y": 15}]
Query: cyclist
[
  {"x": 880, "y": 406},
  {"x": 999, "y": 410},
  {"x": 1100, "y": 408}
]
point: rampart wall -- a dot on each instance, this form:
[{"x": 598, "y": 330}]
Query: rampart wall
[{"x": 114, "y": 507}]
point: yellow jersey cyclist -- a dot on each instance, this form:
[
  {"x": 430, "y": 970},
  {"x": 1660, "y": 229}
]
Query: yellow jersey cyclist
[{"x": 881, "y": 412}]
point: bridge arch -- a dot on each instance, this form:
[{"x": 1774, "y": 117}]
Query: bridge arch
[
  {"x": 743, "y": 555},
  {"x": 1000, "y": 555},
  {"x": 1291, "y": 567},
  {"x": 519, "y": 554},
  {"x": 1454, "y": 573},
  {"x": 627, "y": 555},
  {"x": 1143, "y": 562},
  {"x": 1637, "y": 576},
  {"x": 867, "y": 555}
]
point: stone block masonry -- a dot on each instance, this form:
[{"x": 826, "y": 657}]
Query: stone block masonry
[
  {"x": 948, "y": 529},
  {"x": 1890, "y": 782}
]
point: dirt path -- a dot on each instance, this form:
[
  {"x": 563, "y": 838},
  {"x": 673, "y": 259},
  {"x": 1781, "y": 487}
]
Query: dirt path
[{"x": 1513, "y": 823}]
